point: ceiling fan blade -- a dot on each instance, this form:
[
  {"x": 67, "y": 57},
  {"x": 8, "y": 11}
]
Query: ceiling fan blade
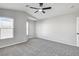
[
  {"x": 34, "y": 8},
  {"x": 40, "y": 4},
  {"x": 43, "y": 11},
  {"x": 46, "y": 8},
  {"x": 35, "y": 11}
]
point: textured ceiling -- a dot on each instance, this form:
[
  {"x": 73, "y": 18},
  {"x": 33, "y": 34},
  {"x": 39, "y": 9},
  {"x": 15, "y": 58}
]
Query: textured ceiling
[{"x": 57, "y": 8}]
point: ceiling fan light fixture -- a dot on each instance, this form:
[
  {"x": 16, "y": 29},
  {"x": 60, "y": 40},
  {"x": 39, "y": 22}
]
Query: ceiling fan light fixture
[{"x": 40, "y": 10}]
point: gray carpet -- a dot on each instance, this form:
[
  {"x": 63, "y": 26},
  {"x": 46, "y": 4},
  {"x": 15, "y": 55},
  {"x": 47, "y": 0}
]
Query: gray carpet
[{"x": 39, "y": 47}]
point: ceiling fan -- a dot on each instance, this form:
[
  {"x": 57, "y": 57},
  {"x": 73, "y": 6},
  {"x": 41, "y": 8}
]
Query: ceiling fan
[{"x": 41, "y": 9}]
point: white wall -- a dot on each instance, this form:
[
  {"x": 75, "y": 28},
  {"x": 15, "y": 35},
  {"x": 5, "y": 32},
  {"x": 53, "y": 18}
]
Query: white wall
[
  {"x": 32, "y": 25},
  {"x": 19, "y": 27},
  {"x": 59, "y": 29}
]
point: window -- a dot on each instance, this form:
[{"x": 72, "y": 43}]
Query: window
[
  {"x": 27, "y": 28},
  {"x": 6, "y": 27}
]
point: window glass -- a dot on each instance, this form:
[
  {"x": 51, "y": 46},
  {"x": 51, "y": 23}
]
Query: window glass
[{"x": 6, "y": 27}]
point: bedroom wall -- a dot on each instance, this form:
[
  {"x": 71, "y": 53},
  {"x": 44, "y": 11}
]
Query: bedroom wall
[
  {"x": 19, "y": 27},
  {"x": 59, "y": 29}
]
